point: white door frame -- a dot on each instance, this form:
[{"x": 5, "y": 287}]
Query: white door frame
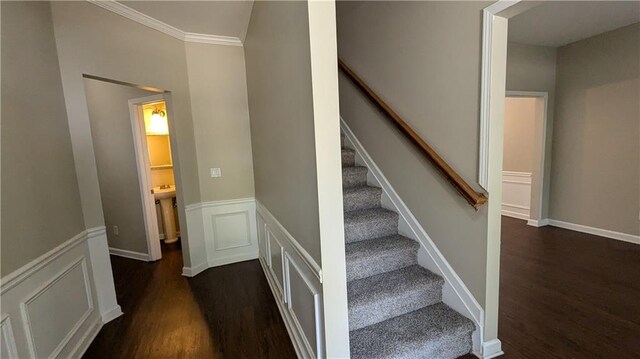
[
  {"x": 492, "y": 99},
  {"x": 144, "y": 173},
  {"x": 541, "y": 184}
]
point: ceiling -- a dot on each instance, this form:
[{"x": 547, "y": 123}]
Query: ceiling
[
  {"x": 223, "y": 18},
  {"x": 558, "y": 23}
]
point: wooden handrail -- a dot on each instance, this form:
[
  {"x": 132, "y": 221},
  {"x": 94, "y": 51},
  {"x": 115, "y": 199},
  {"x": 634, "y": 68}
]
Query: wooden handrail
[{"x": 474, "y": 198}]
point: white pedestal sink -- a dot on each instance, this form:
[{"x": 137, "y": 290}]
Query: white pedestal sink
[{"x": 166, "y": 196}]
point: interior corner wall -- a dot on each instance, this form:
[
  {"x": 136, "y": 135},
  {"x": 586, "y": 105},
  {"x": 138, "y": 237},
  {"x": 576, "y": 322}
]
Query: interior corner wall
[
  {"x": 111, "y": 46},
  {"x": 220, "y": 111},
  {"x": 533, "y": 68},
  {"x": 278, "y": 71},
  {"x": 112, "y": 136},
  {"x": 40, "y": 197},
  {"x": 596, "y": 142},
  {"x": 435, "y": 86}
]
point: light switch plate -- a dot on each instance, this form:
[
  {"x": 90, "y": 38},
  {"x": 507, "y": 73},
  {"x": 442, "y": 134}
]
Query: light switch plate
[{"x": 215, "y": 172}]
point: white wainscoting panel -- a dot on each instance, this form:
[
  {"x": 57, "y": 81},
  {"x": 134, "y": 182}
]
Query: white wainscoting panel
[
  {"x": 226, "y": 231},
  {"x": 516, "y": 194},
  {"x": 56, "y": 304},
  {"x": 7, "y": 341},
  {"x": 296, "y": 281}
]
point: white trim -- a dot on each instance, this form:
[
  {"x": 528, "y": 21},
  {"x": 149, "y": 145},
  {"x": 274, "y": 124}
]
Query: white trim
[
  {"x": 288, "y": 261},
  {"x": 87, "y": 338},
  {"x": 294, "y": 334},
  {"x": 485, "y": 86},
  {"x": 18, "y": 276},
  {"x": 514, "y": 214},
  {"x": 129, "y": 254},
  {"x": 538, "y": 223},
  {"x": 232, "y": 259},
  {"x": 24, "y": 306},
  {"x": 492, "y": 349},
  {"x": 144, "y": 175},
  {"x": 213, "y": 204},
  {"x": 306, "y": 257},
  {"x": 153, "y": 23},
  {"x": 625, "y": 237},
  {"x": 210, "y": 253},
  {"x": 87, "y": 252},
  {"x": 194, "y": 271},
  {"x": 292, "y": 260},
  {"x": 455, "y": 294},
  {"x": 6, "y": 330},
  {"x": 111, "y": 314}
]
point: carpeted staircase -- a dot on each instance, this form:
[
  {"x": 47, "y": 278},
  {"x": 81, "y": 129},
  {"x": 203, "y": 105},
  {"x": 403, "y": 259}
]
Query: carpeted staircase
[{"x": 395, "y": 305}]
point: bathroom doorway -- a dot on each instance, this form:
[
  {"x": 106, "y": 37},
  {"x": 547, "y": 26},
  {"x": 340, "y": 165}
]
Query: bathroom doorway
[{"x": 152, "y": 141}]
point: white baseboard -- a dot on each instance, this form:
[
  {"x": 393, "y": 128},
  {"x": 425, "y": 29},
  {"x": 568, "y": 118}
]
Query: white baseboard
[
  {"x": 625, "y": 237},
  {"x": 232, "y": 259},
  {"x": 74, "y": 280},
  {"x": 454, "y": 293},
  {"x": 295, "y": 280},
  {"x": 538, "y": 223},
  {"x": 491, "y": 349},
  {"x": 111, "y": 314},
  {"x": 514, "y": 214},
  {"x": 194, "y": 271},
  {"x": 129, "y": 254}
]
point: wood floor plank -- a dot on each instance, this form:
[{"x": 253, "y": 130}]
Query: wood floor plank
[{"x": 224, "y": 312}]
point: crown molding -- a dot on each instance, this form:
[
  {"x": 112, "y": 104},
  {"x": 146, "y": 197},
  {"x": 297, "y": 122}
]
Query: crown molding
[{"x": 148, "y": 21}]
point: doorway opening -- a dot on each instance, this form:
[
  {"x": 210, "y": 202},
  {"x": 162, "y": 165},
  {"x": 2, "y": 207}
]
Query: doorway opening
[
  {"x": 149, "y": 119},
  {"x": 523, "y": 184},
  {"x": 135, "y": 156}
]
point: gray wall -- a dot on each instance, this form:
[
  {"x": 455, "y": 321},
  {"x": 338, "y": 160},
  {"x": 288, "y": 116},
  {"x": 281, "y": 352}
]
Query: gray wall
[
  {"x": 116, "y": 162},
  {"x": 281, "y": 108},
  {"x": 40, "y": 199},
  {"x": 519, "y": 130},
  {"x": 596, "y": 148},
  {"x": 435, "y": 86},
  {"x": 533, "y": 68},
  {"x": 218, "y": 90}
]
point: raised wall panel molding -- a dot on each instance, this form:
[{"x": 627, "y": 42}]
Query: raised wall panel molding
[
  {"x": 39, "y": 296},
  {"x": 153, "y": 23},
  {"x": 297, "y": 291},
  {"x": 7, "y": 339},
  {"x": 68, "y": 280},
  {"x": 454, "y": 293},
  {"x": 222, "y": 232}
]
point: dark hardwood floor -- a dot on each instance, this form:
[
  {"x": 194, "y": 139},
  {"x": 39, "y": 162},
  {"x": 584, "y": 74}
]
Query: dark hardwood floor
[
  {"x": 565, "y": 294},
  {"x": 224, "y": 312}
]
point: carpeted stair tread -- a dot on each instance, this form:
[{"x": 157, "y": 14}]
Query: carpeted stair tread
[
  {"x": 369, "y": 223},
  {"x": 434, "y": 332},
  {"x": 380, "y": 255},
  {"x": 380, "y": 297},
  {"x": 354, "y": 176},
  {"x": 348, "y": 157},
  {"x": 359, "y": 198}
]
